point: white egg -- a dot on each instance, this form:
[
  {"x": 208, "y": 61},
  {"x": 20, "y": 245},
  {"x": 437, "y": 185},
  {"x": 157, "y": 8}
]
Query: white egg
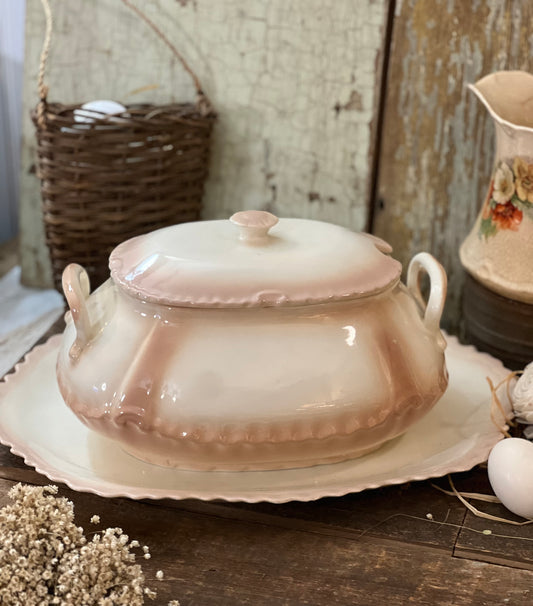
[
  {"x": 511, "y": 475},
  {"x": 94, "y": 110}
]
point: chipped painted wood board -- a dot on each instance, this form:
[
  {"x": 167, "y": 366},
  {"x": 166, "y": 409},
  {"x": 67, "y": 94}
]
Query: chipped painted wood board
[
  {"x": 296, "y": 86},
  {"x": 437, "y": 145}
]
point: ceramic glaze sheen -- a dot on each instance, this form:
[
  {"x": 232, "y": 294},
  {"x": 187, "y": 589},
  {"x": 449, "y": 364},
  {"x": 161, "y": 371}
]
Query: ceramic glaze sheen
[
  {"x": 496, "y": 249},
  {"x": 257, "y": 386}
]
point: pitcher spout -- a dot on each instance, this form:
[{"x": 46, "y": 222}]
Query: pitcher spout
[{"x": 508, "y": 97}]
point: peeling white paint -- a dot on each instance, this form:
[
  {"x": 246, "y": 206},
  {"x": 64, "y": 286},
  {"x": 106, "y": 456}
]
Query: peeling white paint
[
  {"x": 275, "y": 71},
  {"x": 443, "y": 144}
]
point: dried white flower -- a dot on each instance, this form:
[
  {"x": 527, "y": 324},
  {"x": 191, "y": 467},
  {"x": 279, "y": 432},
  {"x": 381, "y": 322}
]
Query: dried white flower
[
  {"x": 147, "y": 556},
  {"x": 159, "y": 575},
  {"x": 46, "y": 559}
]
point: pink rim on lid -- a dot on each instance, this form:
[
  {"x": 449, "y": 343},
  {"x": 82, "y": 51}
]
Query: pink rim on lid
[{"x": 253, "y": 260}]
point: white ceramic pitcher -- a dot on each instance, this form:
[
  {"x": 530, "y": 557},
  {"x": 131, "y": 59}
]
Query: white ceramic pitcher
[{"x": 498, "y": 252}]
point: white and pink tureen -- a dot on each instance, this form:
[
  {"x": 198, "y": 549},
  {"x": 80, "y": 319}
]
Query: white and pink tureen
[{"x": 253, "y": 344}]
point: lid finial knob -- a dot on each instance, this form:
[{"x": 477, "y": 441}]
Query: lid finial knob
[{"x": 253, "y": 224}]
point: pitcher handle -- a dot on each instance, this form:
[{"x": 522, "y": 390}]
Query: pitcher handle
[
  {"x": 437, "y": 293},
  {"x": 76, "y": 287}
]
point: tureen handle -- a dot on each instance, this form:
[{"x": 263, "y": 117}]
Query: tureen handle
[
  {"x": 437, "y": 292},
  {"x": 77, "y": 288}
]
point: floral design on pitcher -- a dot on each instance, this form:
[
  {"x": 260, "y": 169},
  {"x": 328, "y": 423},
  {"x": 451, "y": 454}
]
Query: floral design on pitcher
[{"x": 510, "y": 196}]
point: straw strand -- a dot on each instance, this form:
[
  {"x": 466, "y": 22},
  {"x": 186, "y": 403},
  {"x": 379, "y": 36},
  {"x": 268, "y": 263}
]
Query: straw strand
[
  {"x": 496, "y": 404},
  {"x": 482, "y": 514}
]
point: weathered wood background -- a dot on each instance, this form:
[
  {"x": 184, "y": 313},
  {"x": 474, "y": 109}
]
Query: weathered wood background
[
  {"x": 311, "y": 121},
  {"x": 437, "y": 140}
]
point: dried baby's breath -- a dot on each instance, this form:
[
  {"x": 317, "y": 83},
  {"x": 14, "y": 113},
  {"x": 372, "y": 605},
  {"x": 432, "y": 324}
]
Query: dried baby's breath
[{"x": 46, "y": 559}]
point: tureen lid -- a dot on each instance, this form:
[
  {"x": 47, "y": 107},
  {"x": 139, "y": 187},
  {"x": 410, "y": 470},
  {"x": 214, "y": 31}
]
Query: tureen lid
[{"x": 253, "y": 259}]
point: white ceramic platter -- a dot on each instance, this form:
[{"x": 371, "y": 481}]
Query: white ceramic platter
[{"x": 456, "y": 435}]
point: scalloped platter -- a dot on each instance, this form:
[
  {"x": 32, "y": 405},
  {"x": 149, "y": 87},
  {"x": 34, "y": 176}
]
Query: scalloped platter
[{"x": 454, "y": 436}]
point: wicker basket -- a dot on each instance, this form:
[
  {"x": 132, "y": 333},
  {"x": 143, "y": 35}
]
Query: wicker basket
[{"x": 119, "y": 176}]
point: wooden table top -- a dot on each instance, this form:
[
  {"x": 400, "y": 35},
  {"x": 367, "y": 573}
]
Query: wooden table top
[{"x": 377, "y": 547}]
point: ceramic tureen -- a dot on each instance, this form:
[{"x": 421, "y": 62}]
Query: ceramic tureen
[{"x": 254, "y": 343}]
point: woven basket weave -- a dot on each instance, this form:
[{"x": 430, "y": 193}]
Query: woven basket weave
[{"x": 119, "y": 176}]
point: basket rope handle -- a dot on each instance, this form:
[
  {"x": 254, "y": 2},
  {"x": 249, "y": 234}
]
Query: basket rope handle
[
  {"x": 202, "y": 100},
  {"x": 43, "y": 89}
]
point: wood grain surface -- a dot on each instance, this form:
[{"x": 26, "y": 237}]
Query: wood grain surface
[
  {"x": 437, "y": 145},
  {"x": 219, "y": 553}
]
